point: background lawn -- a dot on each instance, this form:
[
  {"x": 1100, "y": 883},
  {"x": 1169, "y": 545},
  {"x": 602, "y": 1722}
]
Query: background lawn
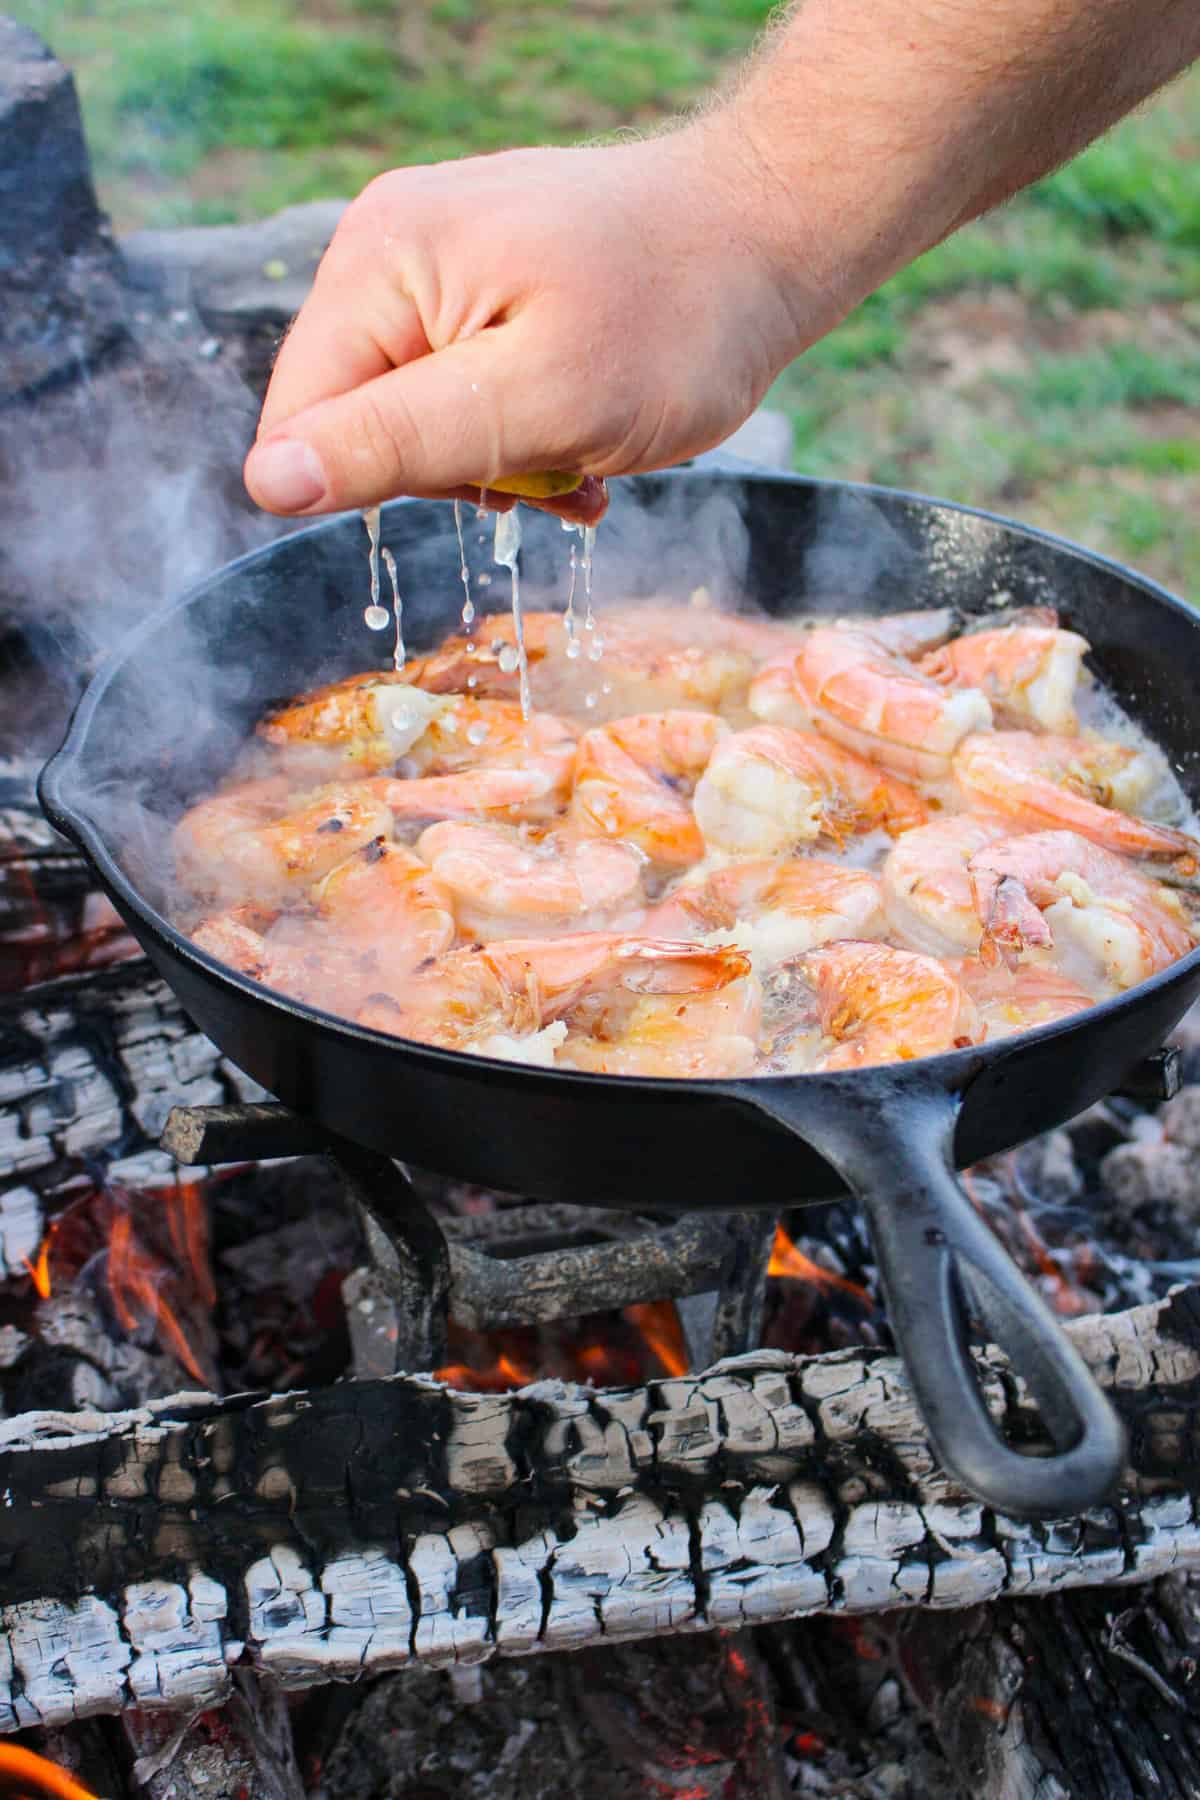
[{"x": 1045, "y": 362}]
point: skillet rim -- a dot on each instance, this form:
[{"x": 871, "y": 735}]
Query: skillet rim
[{"x": 953, "y": 1070}]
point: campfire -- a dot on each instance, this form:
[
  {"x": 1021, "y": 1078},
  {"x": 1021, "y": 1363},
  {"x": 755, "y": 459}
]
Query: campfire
[{"x": 326, "y": 1475}]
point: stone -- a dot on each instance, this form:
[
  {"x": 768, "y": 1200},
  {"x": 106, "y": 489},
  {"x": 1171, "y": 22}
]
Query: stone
[
  {"x": 245, "y": 282},
  {"x": 61, "y": 301}
]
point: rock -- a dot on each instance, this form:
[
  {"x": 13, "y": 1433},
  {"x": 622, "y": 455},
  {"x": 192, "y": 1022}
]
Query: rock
[
  {"x": 246, "y": 282},
  {"x": 1141, "y": 1172},
  {"x": 1181, "y": 1118},
  {"x": 61, "y": 301}
]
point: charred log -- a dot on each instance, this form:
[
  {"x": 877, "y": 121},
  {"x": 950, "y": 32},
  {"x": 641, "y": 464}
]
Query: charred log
[
  {"x": 1089, "y": 1694},
  {"x": 347, "y": 1531}
]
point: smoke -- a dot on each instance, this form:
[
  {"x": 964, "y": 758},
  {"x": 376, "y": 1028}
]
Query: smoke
[{"x": 118, "y": 491}]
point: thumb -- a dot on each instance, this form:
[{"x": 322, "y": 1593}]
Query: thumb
[{"x": 473, "y": 413}]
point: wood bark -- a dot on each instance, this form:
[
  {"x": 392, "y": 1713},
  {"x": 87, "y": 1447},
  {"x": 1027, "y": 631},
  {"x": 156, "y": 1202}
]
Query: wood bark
[{"x": 342, "y": 1532}]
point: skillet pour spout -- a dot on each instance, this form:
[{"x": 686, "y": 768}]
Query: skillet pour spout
[{"x": 160, "y": 725}]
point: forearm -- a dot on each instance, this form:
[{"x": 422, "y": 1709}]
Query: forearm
[{"x": 872, "y": 128}]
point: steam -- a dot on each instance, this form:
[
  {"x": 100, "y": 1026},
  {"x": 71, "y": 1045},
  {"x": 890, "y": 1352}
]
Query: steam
[{"x": 118, "y": 491}]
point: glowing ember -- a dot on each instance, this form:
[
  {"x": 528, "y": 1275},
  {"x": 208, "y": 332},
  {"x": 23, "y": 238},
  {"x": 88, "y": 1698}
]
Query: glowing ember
[
  {"x": 644, "y": 1341},
  {"x": 790, "y": 1263},
  {"x": 24, "y": 1773}
]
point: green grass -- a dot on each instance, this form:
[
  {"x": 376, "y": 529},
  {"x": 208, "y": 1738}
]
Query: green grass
[{"x": 1045, "y": 362}]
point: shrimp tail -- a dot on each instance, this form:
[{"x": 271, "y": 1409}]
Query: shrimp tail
[{"x": 1011, "y": 922}]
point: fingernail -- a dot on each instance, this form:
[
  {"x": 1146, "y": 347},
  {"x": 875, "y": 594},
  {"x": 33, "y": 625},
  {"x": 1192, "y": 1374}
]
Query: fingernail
[{"x": 286, "y": 475}]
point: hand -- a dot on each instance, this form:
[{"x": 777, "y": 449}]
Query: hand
[{"x": 608, "y": 310}]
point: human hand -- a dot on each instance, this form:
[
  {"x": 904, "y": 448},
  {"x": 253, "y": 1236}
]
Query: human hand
[{"x": 602, "y": 310}]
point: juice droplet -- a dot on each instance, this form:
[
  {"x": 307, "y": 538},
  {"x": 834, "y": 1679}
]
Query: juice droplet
[
  {"x": 596, "y": 649},
  {"x": 377, "y": 618},
  {"x": 370, "y": 519},
  {"x": 477, "y": 733},
  {"x": 589, "y": 700},
  {"x": 507, "y": 551},
  {"x": 508, "y": 659},
  {"x": 569, "y": 616},
  {"x": 464, "y": 573},
  {"x": 573, "y": 648},
  {"x": 398, "y": 653},
  {"x": 484, "y": 580}
]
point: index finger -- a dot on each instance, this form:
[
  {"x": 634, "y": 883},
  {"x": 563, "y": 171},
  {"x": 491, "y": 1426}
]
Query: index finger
[{"x": 353, "y": 327}]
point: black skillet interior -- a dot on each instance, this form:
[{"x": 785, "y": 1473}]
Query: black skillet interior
[{"x": 161, "y": 724}]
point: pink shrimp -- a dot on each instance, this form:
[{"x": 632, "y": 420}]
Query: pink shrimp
[
  {"x": 927, "y": 884},
  {"x": 495, "y": 999},
  {"x": 710, "y": 1035},
  {"x": 633, "y": 779},
  {"x": 768, "y": 789},
  {"x": 880, "y": 1005},
  {"x": 1012, "y": 1000},
  {"x": 774, "y": 910},
  {"x": 1100, "y": 912},
  {"x": 289, "y": 955},
  {"x": 844, "y": 683},
  {"x": 1085, "y": 785},
  {"x": 1028, "y": 671},
  {"x": 227, "y": 847},
  {"x": 385, "y": 902},
  {"x": 504, "y": 879}
]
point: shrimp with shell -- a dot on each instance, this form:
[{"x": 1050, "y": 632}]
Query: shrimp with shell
[
  {"x": 928, "y": 893},
  {"x": 1013, "y": 1000},
  {"x": 500, "y": 999},
  {"x": 1088, "y": 785},
  {"x": 634, "y": 780},
  {"x": 875, "y": 1004},
  {"x": 1109, "y": 923},
  {"x": 850, "y": 686},
  {"x": 1028, "y": 670},
  {"x": 245, "y": 841},
  {"x": 769, "y": 789},
  {"x": 775, "y": 909},
  {"x": 504, "y": 881}
]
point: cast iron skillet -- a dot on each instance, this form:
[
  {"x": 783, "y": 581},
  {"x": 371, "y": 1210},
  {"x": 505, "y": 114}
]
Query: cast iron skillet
[{"x": 159, "y": 725}]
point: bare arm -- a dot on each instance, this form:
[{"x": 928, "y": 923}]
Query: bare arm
[{"x": 617, "y": 309}]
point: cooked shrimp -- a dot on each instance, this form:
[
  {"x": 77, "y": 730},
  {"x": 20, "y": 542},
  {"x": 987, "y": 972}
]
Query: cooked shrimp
[
  {"x": 1104, "y": 917},
  {"x": 377, "y": 722},
  {"x": 511, "y": 990},
  {"x": 225, "y": 851},
  {"x": 292, "y": 956},
  {"x": 1028, "y": 672},
  {"x": 1086, "y": 785},
  {"x": 200, "y": 836},
  {"x": 774, "y": 910},
  {"x": 846, "y": 684},
  {"x": 878, "y": 1005},
  {"x": 481, "y": 757},
  {"x": 768, "y": 789},
  {"x": 711, "y": 1035},
  {"x": 1012, "y": 1000},
  {"x": 385, "y": 902},
  {"x": 633, "y": 779},
  {"x": 504, "y": 880},
  {"x": 927, "y": 884},
  {"x": 369, "y": 719}
]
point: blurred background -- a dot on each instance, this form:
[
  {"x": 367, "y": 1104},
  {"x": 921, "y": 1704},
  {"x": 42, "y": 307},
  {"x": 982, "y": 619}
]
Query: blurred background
[{"x": 1045, "y": 362}]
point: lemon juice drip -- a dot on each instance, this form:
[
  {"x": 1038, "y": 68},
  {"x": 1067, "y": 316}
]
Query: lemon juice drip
[
  {"x": 376, "y": 617},
  {"x": 464, "y": 573},
  {"x": 506, "y": 551},
  {"x": 399, "y": 653}
]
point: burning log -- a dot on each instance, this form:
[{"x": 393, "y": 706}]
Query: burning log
[{"x": 348, "y": 1531}]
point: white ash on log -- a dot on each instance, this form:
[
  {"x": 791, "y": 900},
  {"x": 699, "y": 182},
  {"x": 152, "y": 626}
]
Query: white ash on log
[
  {"x": 342, "y": 1532},
  {"x": 90, "y": 1066}
]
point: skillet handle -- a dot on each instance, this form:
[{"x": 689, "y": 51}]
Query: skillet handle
[{"x": 890, "y": 1135}]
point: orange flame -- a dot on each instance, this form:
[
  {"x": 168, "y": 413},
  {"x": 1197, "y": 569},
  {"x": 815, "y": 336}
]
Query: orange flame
[
  {"x": 187, "y": 1222},
  {"x": 790, "y": 1262},
  {"x": 22, "y": 1772},
  {"x": 40, "y": 1270},
  {"x": 658, "y": 1322},
  {"x": 134, "y": 1278},
  {"x": 502, "y": 1375}
]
